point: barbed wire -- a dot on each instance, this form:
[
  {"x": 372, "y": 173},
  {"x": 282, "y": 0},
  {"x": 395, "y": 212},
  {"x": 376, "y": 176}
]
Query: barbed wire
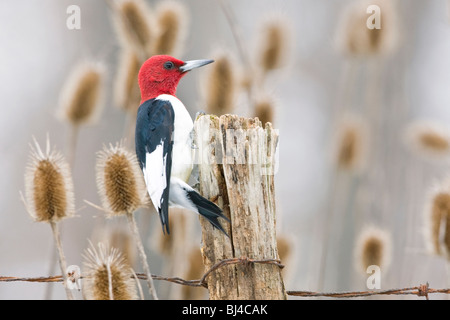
[{"x": 423, "y": 290}]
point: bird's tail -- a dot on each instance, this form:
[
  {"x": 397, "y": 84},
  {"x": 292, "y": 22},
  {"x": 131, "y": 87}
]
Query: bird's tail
[
  {"x": 208, "y": 210},
  {"x": 181, "y": 194}
]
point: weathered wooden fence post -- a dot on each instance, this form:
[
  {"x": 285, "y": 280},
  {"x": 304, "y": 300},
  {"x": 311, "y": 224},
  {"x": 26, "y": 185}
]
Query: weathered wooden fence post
[{"x": 236, "y": 158}]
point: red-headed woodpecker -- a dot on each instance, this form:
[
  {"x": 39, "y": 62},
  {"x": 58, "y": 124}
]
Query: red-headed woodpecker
[{"x": 164, "y": 140}]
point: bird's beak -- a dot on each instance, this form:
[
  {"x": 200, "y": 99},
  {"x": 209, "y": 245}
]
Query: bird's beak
[{"x": 189, "y": 65}]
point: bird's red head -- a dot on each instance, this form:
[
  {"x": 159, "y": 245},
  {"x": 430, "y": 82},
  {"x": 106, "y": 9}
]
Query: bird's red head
[{"x": 160, "y": 75}]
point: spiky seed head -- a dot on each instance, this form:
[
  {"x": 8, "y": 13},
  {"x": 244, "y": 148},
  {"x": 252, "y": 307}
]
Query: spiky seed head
[
  {"x": 273, "y": 46},
  {"x": 81, "y": 96},
  {"x": 356, "y": 39},
  {"x": 429, "y": 140},
  {"x": 437, "y": 213},
  {"x": 134, "y": 25},
  {"x": 373, "y": 248},
  {"x": 127, "y": 93},
  {"x": 107, "y": 276},
  {"x": 351, "y": 143},
  {"x": 220, "y": 85},
  {"x": 171, "y": 18},
  {"x": 48, "y": 185},
  {"x": 119, "y": 180}
]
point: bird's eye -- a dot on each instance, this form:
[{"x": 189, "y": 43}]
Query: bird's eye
[{"x": 168, "y": 65}]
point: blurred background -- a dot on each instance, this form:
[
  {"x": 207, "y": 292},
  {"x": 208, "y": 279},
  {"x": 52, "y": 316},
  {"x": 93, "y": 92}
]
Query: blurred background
[{"x": 358, "y": 116}]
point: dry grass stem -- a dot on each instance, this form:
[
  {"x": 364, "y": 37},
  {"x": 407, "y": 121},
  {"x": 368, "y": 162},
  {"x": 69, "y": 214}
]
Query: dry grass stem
[
  {"x": 135, "y": 232},
  {"x": 61, "y": 257}
]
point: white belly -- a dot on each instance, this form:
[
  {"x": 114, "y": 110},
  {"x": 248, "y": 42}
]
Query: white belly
[{"x": 182, "y": 147}]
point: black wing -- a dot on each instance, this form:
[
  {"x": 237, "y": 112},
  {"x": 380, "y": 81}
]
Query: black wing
[{"x": 154, "y": 142}]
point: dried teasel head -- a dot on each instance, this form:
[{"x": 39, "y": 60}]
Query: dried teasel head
[
  {"x": 437, "y": 219},
  {"x": 265, "y": 110},
  {"x": 48, "y": 185},
  {"x": 429, "y": 140},
  {"x": 356, "y": 39},
  {"x": 133, "y": 20},
  {"x": 351, "y": 143},
  {"x": 171, "y": 20},
  {"x": 127, "y": 94},
  {"x": 220, "y": 86},
  {"x": 284, "y": 246},
  {"x": 273, "y": 45},
  {"x": 373, "y": 248},
  {"x": 120, "y": 181},
  {"x": 106, "y": 276},
  {"x": 81, "y": 97}
]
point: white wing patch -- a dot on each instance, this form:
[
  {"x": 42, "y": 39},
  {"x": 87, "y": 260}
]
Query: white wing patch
[{"x": 155, "y": 174}]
